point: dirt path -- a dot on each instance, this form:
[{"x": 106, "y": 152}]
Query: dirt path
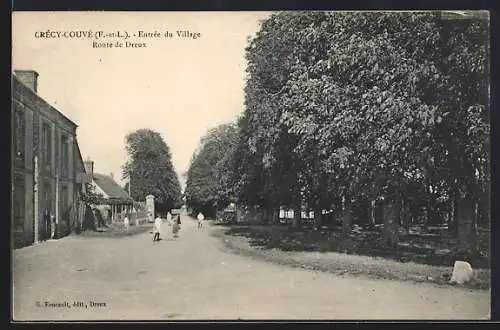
[{"x": 193, "y": 277}]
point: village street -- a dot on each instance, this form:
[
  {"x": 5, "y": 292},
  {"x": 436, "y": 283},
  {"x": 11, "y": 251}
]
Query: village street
[{"x": 193, "y": 277}]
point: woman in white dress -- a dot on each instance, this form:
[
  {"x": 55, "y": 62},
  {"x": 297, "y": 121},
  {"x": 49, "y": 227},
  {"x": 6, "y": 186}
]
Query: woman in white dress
[
  {"x": 126, "y": 222},
  {"x": 200, "y": 218},
  {"x": 157, "y": 228}
]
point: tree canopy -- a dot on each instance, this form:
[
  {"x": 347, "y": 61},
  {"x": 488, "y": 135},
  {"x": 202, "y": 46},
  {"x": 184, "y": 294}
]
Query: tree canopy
[
  {"x": 209, "y": 178},
  {"x": 150, "y": 169},
  {"x": 347, "y": 109}
]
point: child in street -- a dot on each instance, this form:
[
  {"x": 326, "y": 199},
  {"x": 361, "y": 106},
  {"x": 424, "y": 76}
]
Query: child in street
[
  {"x": 200, "y": 218},
  {"x": 157, "y": 228},
  {"x": 126, "y": 222}
]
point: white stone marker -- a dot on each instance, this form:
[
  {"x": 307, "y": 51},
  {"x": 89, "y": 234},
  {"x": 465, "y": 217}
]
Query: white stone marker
[{"x": 462, "y": 272}]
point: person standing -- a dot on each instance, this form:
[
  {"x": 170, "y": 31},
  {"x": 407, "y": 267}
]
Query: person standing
[
  {"x": 176, "y": 225},
  {"x": 46, "y": 225},
  {"x": 157, "y": 228},
  {"x": 53, "y": 227},
  {"x": 126, "y": 222},
  {"x": 200, "y": 218}
]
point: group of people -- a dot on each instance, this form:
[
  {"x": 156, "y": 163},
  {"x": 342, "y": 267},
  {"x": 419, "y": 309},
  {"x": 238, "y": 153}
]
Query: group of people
[{"x": 174, "y": 222}]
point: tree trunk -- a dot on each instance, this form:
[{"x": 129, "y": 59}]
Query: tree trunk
[
  {"x": 317, "y": 217},
  {"x": 347, "y": 219},
  {"x": 450, "y": 213},
  {"x": 453, "y": 225},
  {"x": 391, "y": 215},
  {"x": 275, "y": 216},
  {"x": 406, "y": 216},
  {"x": 296, "y": 222},
  {"x": 89, "y": 219},
  {"x": 270, "y": 213},
  {"x": 401, "y": 219},
  {"x": 265, "y": 215},
  {"x": 465, "y": 223},
  {"x": 372, "y": 212}
]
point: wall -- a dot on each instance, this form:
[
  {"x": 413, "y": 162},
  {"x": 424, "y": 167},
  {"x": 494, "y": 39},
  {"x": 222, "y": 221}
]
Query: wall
[{"x": 35, "y": 111}]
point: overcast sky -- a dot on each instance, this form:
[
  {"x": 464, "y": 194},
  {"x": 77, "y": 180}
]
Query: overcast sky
[{"x": 179, "y": 87}]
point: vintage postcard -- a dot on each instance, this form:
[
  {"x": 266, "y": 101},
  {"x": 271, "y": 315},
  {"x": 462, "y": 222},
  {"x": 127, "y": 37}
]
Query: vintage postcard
[{"x": 319, "y": 165}]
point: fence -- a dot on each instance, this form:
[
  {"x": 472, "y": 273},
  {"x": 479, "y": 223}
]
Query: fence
[{"x": 139, "y": 217}]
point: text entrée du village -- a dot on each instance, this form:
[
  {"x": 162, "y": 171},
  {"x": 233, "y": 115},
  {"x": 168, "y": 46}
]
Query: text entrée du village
[
  {"x": 124, "y": 43},
  {"x": 118, "y": 38}
]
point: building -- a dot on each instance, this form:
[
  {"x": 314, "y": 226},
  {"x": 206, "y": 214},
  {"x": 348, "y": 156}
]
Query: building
[
  {"x": 45, "y": 164},
  {"x": 115, "y": 200}
]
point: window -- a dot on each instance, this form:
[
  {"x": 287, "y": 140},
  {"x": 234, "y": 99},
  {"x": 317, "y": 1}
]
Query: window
[
  {"x": 19, "y": 133},
  {"x": 64, "y": 155},
  {"x": 64, "y": 199},
  {"x": 46, "y": 144},
  {"x": 18, "y": 201},
  {"x": 47, "y": 196}
]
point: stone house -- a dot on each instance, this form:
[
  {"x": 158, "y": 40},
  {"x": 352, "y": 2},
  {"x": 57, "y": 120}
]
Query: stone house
[
  {"x": 116, "y": 201},
  {"x": 45, "y": 164}
]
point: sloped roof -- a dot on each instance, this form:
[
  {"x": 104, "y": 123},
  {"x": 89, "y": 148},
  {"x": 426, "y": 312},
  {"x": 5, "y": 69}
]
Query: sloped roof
[
  {"x": 23, "y": 93},
  {"x": 109, "y": 186},
  {"x": 79, "y": 164}
]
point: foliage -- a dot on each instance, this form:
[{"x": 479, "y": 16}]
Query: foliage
[
  {"x": 150, "y": 169},
  {"x": 362, "y": 112},
  {"x": 209, "y": 184},
  {"x": 363, "y": 106},
  {"x": 91, "y": 197}
]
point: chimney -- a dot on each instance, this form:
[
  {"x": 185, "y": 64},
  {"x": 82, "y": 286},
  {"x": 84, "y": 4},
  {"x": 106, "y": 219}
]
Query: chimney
[
  {"x": 28, "y": 78},
  {"x": 111, "y": 175},
  {"x": 89, "y": 167}
]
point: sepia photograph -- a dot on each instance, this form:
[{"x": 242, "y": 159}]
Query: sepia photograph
[{"x": 250, "y": 165}]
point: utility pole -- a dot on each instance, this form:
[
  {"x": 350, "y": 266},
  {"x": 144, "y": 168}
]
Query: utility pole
[
  {"x": 35, "y": 191},
  {"x": 54, "y": 230},
  {"x": 129, "y": 184}
]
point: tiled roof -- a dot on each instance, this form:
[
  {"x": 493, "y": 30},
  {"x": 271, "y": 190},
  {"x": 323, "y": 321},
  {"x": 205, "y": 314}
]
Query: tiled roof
[{"x": 109, "y": 186}]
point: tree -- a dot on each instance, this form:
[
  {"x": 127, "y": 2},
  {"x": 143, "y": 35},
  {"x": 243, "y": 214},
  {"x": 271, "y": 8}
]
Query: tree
[
  {"x": 265, "y": 152},
  {"x": 209, "y": 185},
  {"x": 363, "y": 107},
  {"x": 91, "y": 198},
  {"x": 150, "y": 169},
  {"x": 464, "y": 96}
]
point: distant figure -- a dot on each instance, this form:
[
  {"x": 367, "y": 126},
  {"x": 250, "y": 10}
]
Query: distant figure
[
  {"x": 169, "y": 217},
  {"x": 157, "y": 228},
  {"x": 200, "y": 218},
  {"x": 53, "y": 227},
  {"x": 46, "y": 225},
  {"x": 126, "y": 222},
  {"x": 176, "y": 226},
  {"x": 100, "y": 220}
]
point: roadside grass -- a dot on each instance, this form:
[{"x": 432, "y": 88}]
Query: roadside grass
[{"x": 327, "y": 252}]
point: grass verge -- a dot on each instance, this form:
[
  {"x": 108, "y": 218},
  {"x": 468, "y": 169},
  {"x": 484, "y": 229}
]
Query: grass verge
[{"x": 350, "y": 264}]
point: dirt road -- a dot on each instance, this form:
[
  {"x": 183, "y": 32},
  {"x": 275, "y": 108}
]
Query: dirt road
[{"x": 193, "y": 277}]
